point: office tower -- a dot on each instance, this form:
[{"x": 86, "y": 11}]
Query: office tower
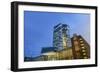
[{"x": 61, "y": 36}]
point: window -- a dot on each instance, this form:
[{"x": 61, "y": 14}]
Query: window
[
  {"x": 82, "y": 44},
  {"x": 85, "y": 57},
  {"x": 80, "y": 39},
  {"x": 84, "y": 53},
  {"x": 83, "y": 47}
]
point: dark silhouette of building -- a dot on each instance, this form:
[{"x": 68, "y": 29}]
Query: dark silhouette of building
[{"x": 80, "y": 48}]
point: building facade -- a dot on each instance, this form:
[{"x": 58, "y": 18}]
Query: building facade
[
  {"x": 65, "y": 54},
  {"x": 80, "y": 48},
  {"x": 61, "y": 36}
]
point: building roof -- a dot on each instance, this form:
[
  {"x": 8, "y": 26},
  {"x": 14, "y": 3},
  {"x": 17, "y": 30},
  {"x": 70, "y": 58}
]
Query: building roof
[{"x": 48, "y": 49}]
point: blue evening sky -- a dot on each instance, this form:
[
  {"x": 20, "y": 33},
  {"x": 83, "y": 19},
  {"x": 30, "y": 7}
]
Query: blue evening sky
[{"x": 38, "y": 29}]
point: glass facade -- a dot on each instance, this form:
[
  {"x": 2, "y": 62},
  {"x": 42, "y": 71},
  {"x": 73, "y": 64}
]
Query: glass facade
[{"x": 61, "y": 36}]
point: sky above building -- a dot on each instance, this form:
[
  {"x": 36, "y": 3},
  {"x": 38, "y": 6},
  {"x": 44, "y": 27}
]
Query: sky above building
[{"x": 38, "y": 29}]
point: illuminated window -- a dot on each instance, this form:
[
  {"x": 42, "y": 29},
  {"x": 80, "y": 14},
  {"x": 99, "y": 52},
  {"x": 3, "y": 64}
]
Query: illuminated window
[
  {"x": 84, "y": 53},
  {"x": 82, "y": 44},
  {"x": 85, "y": 57},
  {"x": 80, "y": 39},
  {"x": 83, "y": 47}
]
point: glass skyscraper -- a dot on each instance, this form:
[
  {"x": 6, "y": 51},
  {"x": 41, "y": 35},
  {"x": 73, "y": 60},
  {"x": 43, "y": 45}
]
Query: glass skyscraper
[{"x": 61, "y": 37}]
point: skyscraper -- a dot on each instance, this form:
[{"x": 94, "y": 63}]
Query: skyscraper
[{"x": 61, "y": 36}]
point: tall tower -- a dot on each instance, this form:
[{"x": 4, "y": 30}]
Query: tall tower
[{"x": 61, "y": 36}]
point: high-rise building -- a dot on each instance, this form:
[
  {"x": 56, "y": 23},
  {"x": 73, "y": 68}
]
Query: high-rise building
[
  {"x": 61, "y": 36},
  {"x": 61, "y": 49},
  {"x": 80, "y": 47}
]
